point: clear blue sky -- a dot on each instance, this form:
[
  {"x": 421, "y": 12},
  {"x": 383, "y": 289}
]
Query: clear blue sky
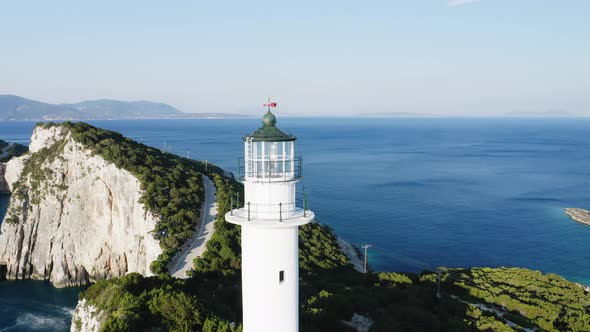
[{"x": 488, "y": 57}]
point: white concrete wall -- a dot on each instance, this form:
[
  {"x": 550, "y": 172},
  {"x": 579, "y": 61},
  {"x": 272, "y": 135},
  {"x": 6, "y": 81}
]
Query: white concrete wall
[
  {"x": 264, "y": 198},
  {"x": 270, "y": 305}
]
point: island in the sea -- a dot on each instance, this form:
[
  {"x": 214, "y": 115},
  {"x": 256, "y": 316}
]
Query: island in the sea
[{"x": 580, "y": 215}]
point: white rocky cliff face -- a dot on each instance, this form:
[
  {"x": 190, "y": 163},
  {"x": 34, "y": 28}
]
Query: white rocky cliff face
[
  {"x": 86, "y": 318},
  {"x": 81, "y": 223}
]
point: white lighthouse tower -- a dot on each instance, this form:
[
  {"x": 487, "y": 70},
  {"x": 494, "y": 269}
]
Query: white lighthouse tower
[{"x": 270, "y": 219}]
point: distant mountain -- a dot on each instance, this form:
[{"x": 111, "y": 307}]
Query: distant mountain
[
  {"x": 107, "y": 108},
  {"x": 18, "y": 108}
]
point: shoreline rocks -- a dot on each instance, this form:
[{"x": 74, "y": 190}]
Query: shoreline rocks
[
  {"x": 352, "y": 253},
  {"x": 86, "y": 318},
  {"x": 579, "y": 215}
]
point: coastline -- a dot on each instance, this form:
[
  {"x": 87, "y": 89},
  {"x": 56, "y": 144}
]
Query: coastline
[{"x": 352, "y": 253}]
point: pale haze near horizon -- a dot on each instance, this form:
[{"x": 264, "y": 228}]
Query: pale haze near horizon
[{"x": 458, "y": 58}]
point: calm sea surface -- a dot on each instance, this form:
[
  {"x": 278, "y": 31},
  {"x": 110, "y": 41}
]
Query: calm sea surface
[{"x": 439, "y": 192}]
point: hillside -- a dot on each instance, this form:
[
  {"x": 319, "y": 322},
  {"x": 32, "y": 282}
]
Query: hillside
[
  {"x": 22, "y": 109},
  {"x": 332, "y": 293},
  {"x": 89, "y": 204}
]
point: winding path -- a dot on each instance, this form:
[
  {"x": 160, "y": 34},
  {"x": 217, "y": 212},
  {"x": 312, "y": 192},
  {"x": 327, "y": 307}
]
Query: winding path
[{"x": 197, "y": 245}]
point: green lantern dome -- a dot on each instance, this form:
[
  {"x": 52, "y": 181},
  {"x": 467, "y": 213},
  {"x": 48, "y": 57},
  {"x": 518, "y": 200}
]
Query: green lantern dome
[
  {"x": 269, "y": 131},
  {"x": 269, "y": 119}
]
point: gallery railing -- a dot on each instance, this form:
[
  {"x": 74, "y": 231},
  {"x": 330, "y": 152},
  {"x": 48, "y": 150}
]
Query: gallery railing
[{"x": 280, "y": 211}]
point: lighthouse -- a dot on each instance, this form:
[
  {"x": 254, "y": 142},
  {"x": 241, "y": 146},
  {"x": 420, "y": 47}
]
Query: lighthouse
[{"x": 269, "y": 218}]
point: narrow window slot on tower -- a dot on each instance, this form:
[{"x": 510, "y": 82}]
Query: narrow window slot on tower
[{"x": 281, "y": 276}]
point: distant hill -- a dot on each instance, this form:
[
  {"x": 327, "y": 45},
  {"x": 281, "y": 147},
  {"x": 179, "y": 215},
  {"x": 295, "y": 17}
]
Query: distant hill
[{"x": 18, "y": 108}]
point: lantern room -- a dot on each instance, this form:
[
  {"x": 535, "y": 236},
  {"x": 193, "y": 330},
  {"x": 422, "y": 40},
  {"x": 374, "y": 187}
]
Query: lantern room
[{"x": 270, "y": 154}]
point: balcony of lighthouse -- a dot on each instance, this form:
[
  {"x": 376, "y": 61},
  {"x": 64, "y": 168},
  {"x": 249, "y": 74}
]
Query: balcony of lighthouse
[{"x": 269, "y": 215}]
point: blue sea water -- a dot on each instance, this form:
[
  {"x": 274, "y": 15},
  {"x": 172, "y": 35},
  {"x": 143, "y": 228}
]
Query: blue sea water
[
  {"x": 35, "y": 306},
  {"x": 438, "y": 192}
]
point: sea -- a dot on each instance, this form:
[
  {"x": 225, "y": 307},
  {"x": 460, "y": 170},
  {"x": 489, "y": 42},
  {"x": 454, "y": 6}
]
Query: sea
[{"x": 424, "y": 192}]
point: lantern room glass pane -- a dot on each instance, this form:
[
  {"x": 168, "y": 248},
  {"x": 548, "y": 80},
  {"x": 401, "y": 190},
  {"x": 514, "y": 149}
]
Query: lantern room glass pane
[{"x": 272, "y": 160}]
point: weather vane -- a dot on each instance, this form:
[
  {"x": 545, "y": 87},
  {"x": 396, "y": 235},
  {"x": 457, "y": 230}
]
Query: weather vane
[{"x": 270, "y": 104}]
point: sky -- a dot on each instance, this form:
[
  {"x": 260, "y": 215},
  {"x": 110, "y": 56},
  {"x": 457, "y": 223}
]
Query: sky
[{"x": 440, "y": 57}]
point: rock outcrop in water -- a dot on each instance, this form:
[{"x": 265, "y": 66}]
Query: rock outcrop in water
[
  {"x": 73, "y": 217},
  {"x": 580, "y": 215}
]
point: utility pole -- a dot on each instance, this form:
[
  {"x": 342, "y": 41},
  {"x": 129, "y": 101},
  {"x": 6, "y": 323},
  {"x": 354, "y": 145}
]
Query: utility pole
[
  {"x": 206, "y": 163},
  {"x": 366, "y": 247}
]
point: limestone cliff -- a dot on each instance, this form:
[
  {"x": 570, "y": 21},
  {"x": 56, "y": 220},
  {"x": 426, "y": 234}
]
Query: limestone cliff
[
  {"x": 86, "y": 318},
  {"x": 73, "y": 217}
]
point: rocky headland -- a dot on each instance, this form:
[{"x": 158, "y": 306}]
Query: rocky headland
[
  {"x": 73, "y": 217},
  {"x": 89, "y": 204},
  {"x": 580, "y": 215}
]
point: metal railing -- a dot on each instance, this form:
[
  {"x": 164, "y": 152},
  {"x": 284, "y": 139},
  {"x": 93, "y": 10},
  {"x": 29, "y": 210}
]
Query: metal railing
[
  {"x": 270, "y": 169},
  {"x": 280, "y": 211}
]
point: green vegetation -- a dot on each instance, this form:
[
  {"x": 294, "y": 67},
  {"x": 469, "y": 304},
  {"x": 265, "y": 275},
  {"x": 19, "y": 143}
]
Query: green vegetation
[
  {"x": 222, "y": 256},
  {"x": 209, "y": 301},
  {"x": 331, "y": 292},
  {"x": 478, "y": 299},
  {"x": 532, "y": 299},
  {"x": 14, "y": 150},
  {"x": 509, "y": 299},
  {"x": 135, "y": 303}
]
